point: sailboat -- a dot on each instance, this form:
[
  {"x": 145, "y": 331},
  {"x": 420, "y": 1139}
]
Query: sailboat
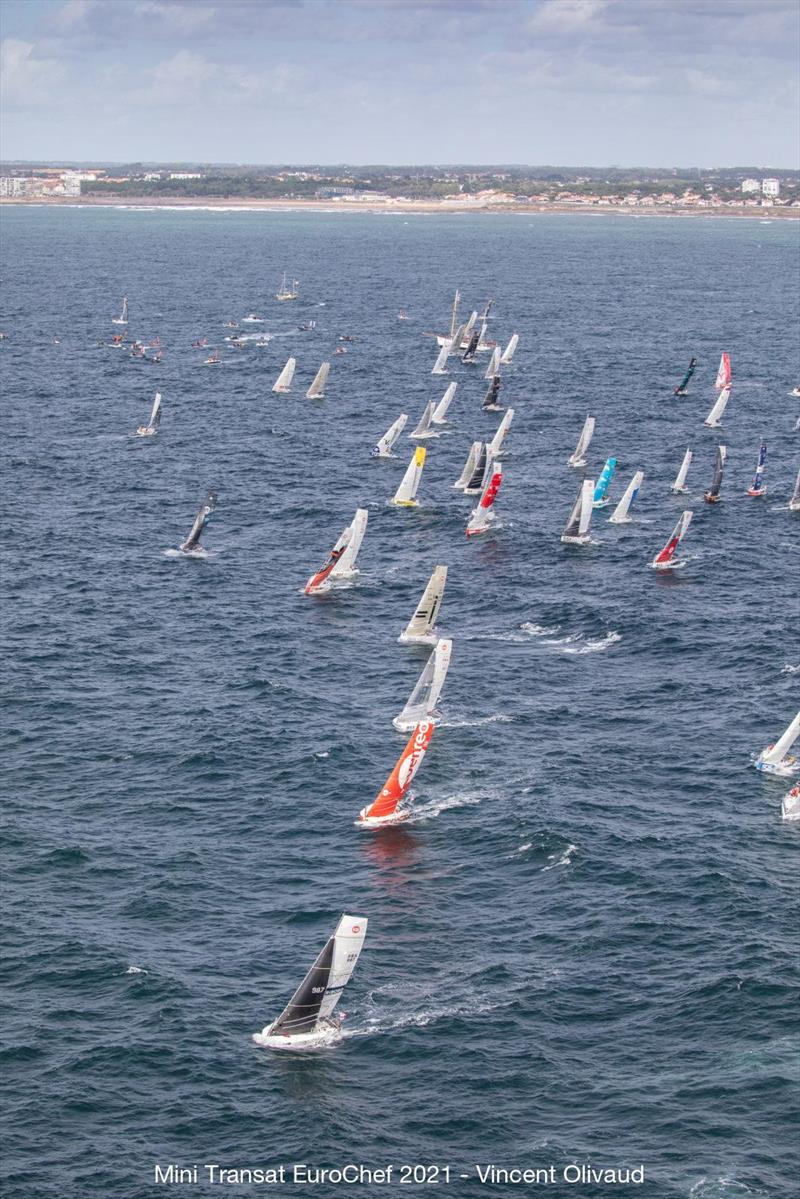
[
  {"x": 385, "y": 808},
  {"x": 406, "y": 494},
  {"x": 307, "y": 1021},
  {"x": 776, "y": 759},
  {"x": 483, "y": 516},
  {"x": 317, "y": 389},
  {"x": 475, "y": 483},
  {"x": 757, "y": 486},
  {"x": 468, "y": 328},
  {"x": 421, "y": 629},
  {"x": 794, "y": 502},
  {"x": 286, "y": 292},
  {"x": 384, "y": 447},
  {"x": 712, "y": 496},
  {"x": 723, "y": 378},
  {"x": 490, "y": 403},
  {"x": 496, "y": 444},
  {"x": 679, "y": 486},
  {"x": 620, "y": 514},
  {"x": 440, "y": 365},
  {"x": 469, "y": 466},
  {"x": 454, "y": 346},
  {"x": 440, "y": 411},
  {"x": 665, "y": 559},
  {"x": 680, "y": 390},
  {"x": 422, "y": 701},
  {"x": 447, "y": 338},
  {"x": 122, "y": 319},
  {"x": 472, "y": 348},
  {"x": 606, "y": 475},
  {"x": 423, "y": 428},
  {"x": 576, "y": 530},
  {"x": 790, "y": 804},
  {"x": 714, "y": 418},
  {"x": 342, "y": 560},
  {"x": 493, "y": 368},
  {"x": 578, "y": 457},
  {"x": 151, "y": 428},
  {"x": 508, "y": 352},
  {"x": 283, "y": 382},
  {"x": 192, "y": 543}
]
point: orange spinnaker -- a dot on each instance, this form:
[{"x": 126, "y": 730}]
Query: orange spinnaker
[{"x": 401, "y": 777}]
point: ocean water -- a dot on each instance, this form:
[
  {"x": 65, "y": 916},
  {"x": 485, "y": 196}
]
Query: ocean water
[{"x": 583, "y": 947}]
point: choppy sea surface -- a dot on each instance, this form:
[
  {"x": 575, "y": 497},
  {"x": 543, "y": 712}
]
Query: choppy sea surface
[{"x": 583, "y": 947}]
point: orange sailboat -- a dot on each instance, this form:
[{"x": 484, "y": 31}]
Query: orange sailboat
[{"x": 384, "y": 809}]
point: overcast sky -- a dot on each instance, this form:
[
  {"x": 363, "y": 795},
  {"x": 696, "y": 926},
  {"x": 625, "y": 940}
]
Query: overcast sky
[{"x": 569, "y": 82}]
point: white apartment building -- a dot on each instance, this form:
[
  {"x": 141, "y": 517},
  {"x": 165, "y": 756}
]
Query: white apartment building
[
  {"x": 749, "y": 186},
  {"x": 771, "y": 188}
]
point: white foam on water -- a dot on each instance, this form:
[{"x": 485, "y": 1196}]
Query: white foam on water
[
  {"x": 201, "y": 553},
  {"x": 136, "y": 970},
  {"x": 497, "y": 718},
  {"x": 789, "y": 669},
  {"x": 593, "y": 647},
  {"x": 434, "y": 807},
  {"x": 562, "y": 859},
  {"x": 540, "y": 630}
]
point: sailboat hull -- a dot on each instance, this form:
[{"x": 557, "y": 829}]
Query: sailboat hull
[
  {"x": 756, "y": 491},
  {"x": 786, "y": 768},
  {"x": 327, "y": 1034},
  {"x": 676, "y": 565},
  {"x": 567, "y": 540},
  {"x": 364, "y": 821},
  {"x": 146, "y": 431},
  {"x": 418, "y": 638},
  {"x": 405, "y": 503}
]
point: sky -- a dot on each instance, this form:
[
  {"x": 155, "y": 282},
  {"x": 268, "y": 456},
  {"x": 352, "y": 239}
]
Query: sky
[{"x": 567, "y": 82}]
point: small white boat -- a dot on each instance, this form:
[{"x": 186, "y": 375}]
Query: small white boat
[
  {"x": 192, "y": 543},
  {"x": 151, "y": 428},
  {"x": 423, "y": 428},
  {"x": 578, "y": 457},
  {"x": 496, "y": 444},
  {"x": 665, "y": 558},
  {"x": 122, "y": 319},
  {"x": 508, "y": 352},
  {"x": 342, "y": 560},
  {"x": 469, "y": 466},
  {"x": 383, "y": 449},
  {"x": 283, "y": 382},
  {"x": 794, "y": 502},
  {"x": 286, "y": 292},
  {"x": 776, "y": 759},
  {"x": 252, "y": 319},
  {"x": 576, "y": 530},
  {"x": 714, "y": 418},
  {"x": 317, "y": 389},
  {"x": 621, "y": 514},
  {"x": 482, "y": 517},
  {"x": 421, "y": 629},
  {"x": 440, "y": 411},
  {"x": 385, "y": 808},
  {"x": 790, "y": 804},
  {"x": 422, "y": 702},
  {"x": 679, "y": 486},
  {"x": 406, "y": 494},
  {"x": 307, "y": 1021},
  {"x": 447, "y": 338}
]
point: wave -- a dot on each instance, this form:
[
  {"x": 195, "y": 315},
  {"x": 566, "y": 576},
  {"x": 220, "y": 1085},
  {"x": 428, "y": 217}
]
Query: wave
[
  {"x": 789, "y": 669},
  {"x": 573, "y": 643},
  {"x": 563, "y": 859},
  {"x": 434, "y": 807},
  {"x": 497, "y": 718}
]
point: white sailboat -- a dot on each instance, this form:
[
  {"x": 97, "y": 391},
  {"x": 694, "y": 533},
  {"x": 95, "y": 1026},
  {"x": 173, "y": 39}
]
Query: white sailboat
[
  {"x": 421, "y": 629},
  {"x": 192, "y": 543},
  {"x": 576, "y": 530},
  {"x": 714, "y": 418},
  {"x": 406, "y": 494},
  {"x": 423, "y": 428},
  {"x": 477, "y": 480},
  {"x": 469, "y": 466},
  {"x": 447, "y": 338},
  {"x": 578, "y": 457},
  {"x": 440, "y": 365},
  {"x": 790, "y": 804},
  {"x": 283, "y": 382},
  {"x": 496, "y": 444},
  {"x": 794, "y": 502},
  {"x": 508, "y": 352},
  {"x": 665, "y": 558},
  {"x": 679, "y": 486},
  {"x": 620, "y": 515},
  {"x": 307, "y": 1021},
  {"x": 453, "y": 347},
  {"x": 151, "y": 428},
  {"x": 122, "y": 319},
  {"x": 383, "y": 449},
  {"x": 440, "y": 411},
  {"x": 341, "y": 562},
  {"x": 494, "y": 364},
  {"x": 422, "y": 702},
  {"x": 317, "y": 389},
  {"x": 776, "y": 759},
  {"x": 286, "y": 292}
]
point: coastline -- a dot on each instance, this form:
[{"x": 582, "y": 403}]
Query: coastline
[{"x": 414, "y": 207}]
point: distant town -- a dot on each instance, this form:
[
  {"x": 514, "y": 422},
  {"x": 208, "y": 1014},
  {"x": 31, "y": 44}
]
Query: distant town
[{"x": 451, "y": 188}]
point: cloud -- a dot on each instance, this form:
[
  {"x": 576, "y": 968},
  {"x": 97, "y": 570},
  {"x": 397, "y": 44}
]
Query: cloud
[
  {"x": 185, "y": 18},
  {"x": 26, "y": 81},
  {"x": 568, "y": 16}
]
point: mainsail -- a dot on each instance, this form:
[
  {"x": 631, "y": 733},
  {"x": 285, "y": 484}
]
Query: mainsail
[
  {"x": 576, "y": 530},
  {"x": 665, "y": 558},
  {"x": 317, "y": 389},
  {"x": 620, "y": 514},
  {"x": 494, "y": 364},
  {"x": 680, "y": 390},
  {"x": 490, "y": 400},
  {"x": 757, "y": 486},
  {"x": 155, "y": 419},
  {"x": 122, "y": 319},
  {"x": 384, "y": 807},
  {"x": 603, "y": 483},
  {"x": 319, "y": 992},
  {"x": 724, "y": 372},
  {"x": 474, "y": 484},
  {"x": 424, "y": 424},
  {"x": 204, "y": 511},
  {"x": 712, "y": 495},
  {"x": 405, "y": 496},
  {"x": 469, "y": 465},
  {"x": 496, "y": 444},
  {"x": 578, "y": 458},
  {"x": 794, "y": 502},
  {"x": 775, "y": 755},
  {"x": 421, "y": 627},
  {"x": 423, "y": 699},
  {"x": 483, "y": 516},
  {"x": 679, "y": 486},
  {"x": 714, "y": 417},
  {"x": 508, "y": 352},
  {"x": 440, "y": 365},
  {"x": 284, "y": 379},
  {"x": 384, "y": 447},
  {"x": 440, "y": 411},
  {"x": 472, "y": 347},
  {"x": 342, "y": 558}
]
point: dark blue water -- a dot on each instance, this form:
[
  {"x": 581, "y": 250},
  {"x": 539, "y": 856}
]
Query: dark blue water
[{"x": 583, "y": 950}]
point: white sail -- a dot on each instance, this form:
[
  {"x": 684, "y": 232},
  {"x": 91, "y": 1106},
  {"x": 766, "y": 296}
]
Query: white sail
[
  {"x": 679, "y": 486},
  {"x": 347, "y": 563},
  {"x": 155, "y": 415},
  {"x": 284, "y": 379},
  {"x": 440, "y": 411},
  {"x": 477, "y": 480},
  {"x": 470, "y": 325},
  {"x": 384, "y": 447},
  {"x": 665, "y": 558},
  {"x": 620, "y": 514},
  {"x": 794, "y": 502},
  {"x": 714, "y": 417},
  {"x": 421, "y": 627},
  {"x": 496, "y": 443},
  {"x": 494, "y": 364},
  {"x": 469, "y": 465},
  {"x": 424, "y": 425},
  {"x": 317, "y": 389},
  {"x": 122, "y": 319},
  {"x": 423, "y": 699},
  {"x": 508, "y": 352},
  {"x": 454, "y": 346},
  {"x": 587, "y": 432},
  {"x": 775, "y": 755},
  {"x": 576, "y": 530},
  {"x": 406, "y": 494},
  {"x": 440, "y": 365}
]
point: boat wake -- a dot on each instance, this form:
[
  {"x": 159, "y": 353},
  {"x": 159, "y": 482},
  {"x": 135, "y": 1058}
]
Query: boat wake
[
  {"x": 455, "y": 723},
  {"x": 563, "y": 859},
  {"x": 198, "y": 553},
  {"x": 383, "y": 1022},
  {"x": 572, "y": 643},
  {"x": 435, "y": 807}
]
